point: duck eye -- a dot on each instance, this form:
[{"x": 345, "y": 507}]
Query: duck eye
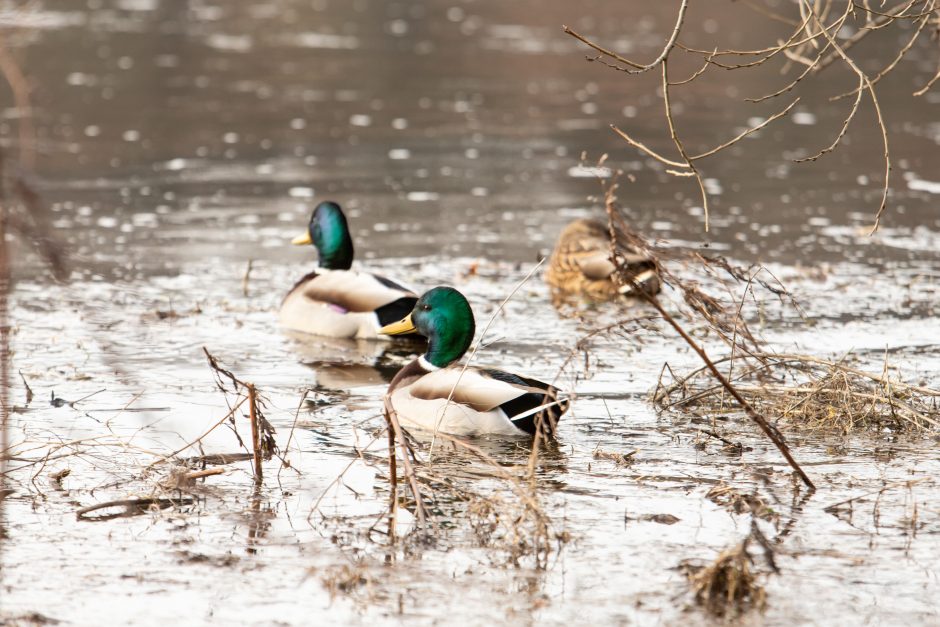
[{"x": 425, "y": 307}]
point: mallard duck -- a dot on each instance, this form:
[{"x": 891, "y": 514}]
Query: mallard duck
[
  {"x": 334, "y": 300},
  {"x": 580, "y": 263},
  {"x": 482, "y": 400}
]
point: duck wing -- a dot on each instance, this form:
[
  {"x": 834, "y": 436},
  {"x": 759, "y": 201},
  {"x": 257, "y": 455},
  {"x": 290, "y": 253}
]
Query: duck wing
[
  {"x": 588, "y": 244},
  {"x": 526, "y": 402},
  {"x": 596, "y": 266},
  {"x": 356, "y": 291}
]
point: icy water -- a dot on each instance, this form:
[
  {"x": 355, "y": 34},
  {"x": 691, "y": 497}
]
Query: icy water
[{"x": 181, "y": 141}]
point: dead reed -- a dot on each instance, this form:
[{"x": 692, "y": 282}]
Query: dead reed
[
  {"x": 729, "y": 585},
  {"x": 263, "y": 443},
  {"x": 465, "y": 495},
  {"x": 808, "y": 393},
  {"x": 733, "y": 583},
  {"x": 721, "y": 314},
  {"x": 168, "y": 480}
]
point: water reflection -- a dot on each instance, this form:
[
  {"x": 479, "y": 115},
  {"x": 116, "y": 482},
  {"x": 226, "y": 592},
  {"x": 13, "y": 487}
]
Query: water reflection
[
  {"x": 345, "y": 364},
  {"x": 258, "y": 519}
]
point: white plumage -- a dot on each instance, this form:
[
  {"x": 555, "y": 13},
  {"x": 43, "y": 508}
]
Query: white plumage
[
  {"x": 473, "y": 407},
  {"x": 339, "y": 303}
]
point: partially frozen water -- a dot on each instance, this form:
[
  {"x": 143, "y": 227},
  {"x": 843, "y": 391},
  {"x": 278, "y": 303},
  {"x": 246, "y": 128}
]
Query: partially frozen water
[{"x": 179, "y": 142}]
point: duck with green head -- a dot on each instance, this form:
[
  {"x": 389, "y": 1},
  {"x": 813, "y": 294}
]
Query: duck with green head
[
  {"x": 435, "y": 393},
  {"x": 334, "y": 300}
]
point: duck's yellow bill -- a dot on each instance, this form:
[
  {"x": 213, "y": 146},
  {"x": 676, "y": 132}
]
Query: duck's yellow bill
[
  {"x": 302, "y": 240},
  {"x": 399, "y": 328}
]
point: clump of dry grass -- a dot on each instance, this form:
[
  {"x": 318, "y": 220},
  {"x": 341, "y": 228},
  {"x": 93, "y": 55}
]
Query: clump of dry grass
[
  {"x": 720, "y": 315},
  {"x": 512, "y": 528},
  {"x": 729, "y": 585},
  {"x": 732, "y": 584},
  {"x": 813, "y": 394},
  {"x": 345, "y": 578}
]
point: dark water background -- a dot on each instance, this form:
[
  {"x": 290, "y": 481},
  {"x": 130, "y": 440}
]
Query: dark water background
[{"x": 471, "y": 113}]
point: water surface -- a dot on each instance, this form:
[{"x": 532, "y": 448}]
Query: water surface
[{"x": 179, "y": 141}]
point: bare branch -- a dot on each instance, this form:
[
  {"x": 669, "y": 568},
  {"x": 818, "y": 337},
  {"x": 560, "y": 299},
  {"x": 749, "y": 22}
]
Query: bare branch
[{"x": 638, "y": 68}]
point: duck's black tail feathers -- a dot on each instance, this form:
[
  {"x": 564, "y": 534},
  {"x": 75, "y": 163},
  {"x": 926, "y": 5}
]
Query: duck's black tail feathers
[{"x": 535, "y": 412}]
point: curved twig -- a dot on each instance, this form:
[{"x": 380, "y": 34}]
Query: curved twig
[{"x": 638, "y": 68}]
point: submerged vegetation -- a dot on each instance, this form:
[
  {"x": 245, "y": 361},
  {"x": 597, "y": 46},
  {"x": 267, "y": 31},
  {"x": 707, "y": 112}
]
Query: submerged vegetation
[{"x": 730, "y": 585}]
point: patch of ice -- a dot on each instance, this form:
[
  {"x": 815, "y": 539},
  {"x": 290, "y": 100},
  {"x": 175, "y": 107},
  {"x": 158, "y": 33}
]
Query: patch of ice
[
  {"x": 920, "y": 185},
  {"x": 300, "y": 192},
  {"x": 422, "y": 196},
  {"x": 582, "y": 172},
  {"x": 322, "y": 40}
]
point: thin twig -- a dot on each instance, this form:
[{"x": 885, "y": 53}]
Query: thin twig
[
  {"x": 636, "y": 67},
  {"x": 874, "y": 99}
]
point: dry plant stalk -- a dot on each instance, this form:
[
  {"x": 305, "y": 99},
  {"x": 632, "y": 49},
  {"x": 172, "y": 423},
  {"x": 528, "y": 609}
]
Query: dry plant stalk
[
  {"x": 409, "y": 459},
  {"x": 513, "y": 521},
  {"x": 717, "y": 315},
  {"x": 263, "y": 444},
  {"x": 508, "y": 518},
  {"x": 125, "y": 508},
  {"x": 872, "y": 508},
  {"x": 255, "y": 433},
  {"x": 814, "y": 44},
  {"x": 814, "y": 394},
  {"x": 183, "y": 478}
]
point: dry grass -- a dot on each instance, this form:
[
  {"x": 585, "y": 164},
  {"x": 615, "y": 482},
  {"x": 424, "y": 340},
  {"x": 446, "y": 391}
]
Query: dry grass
[
  {"x": 512, "y": 530},
  {"x": 345, "y": 579},
  {"x": 467, "y": 495},
  {"x": 144, "y": 480},
  {"x": 732, "y": 584},
  {"x": 729, "y": 586},
  {"x": 812, "y": 394}
]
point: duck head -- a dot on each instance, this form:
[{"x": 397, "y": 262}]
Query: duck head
[
  {"x": 442, "y": 315},
  {"x": 329, "y": 234}
]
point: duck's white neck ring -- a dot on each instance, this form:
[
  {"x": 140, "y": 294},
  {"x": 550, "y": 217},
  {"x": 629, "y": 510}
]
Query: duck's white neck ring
[{"x": 424, "y": 363}]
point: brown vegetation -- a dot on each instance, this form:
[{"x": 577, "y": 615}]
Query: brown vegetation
[{"x": 809, "y": 393}]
